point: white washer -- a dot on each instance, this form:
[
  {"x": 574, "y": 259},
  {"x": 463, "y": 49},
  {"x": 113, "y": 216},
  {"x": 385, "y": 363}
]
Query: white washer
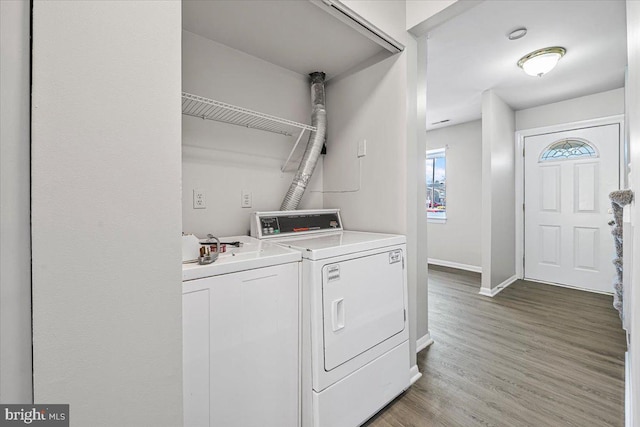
[
  {"x": 354, "y": 314},
  {"x": 241, "y": 337}
]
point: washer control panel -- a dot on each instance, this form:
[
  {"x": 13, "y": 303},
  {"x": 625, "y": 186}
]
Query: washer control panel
[{"x": 288, "y": 223}]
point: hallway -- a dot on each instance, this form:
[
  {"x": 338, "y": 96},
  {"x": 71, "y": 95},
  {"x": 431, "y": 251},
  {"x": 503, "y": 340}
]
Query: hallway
[{"x": 534, "y": 355}]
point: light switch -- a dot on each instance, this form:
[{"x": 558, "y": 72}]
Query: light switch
[{"x": 362, "y": 148}]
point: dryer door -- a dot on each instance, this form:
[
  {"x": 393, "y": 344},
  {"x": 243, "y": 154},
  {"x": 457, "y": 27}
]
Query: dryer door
[{"x": 363, "y": 304}]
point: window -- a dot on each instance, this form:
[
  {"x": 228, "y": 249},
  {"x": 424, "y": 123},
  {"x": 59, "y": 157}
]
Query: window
[
  {"x": 436, "y": 185},
  {"x": 566, "y": 149}
]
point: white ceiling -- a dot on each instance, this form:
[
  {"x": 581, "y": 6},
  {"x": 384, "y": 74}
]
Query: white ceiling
[
  {"x": 296, "y": 35},
  {"x": 471, "y": 53}
]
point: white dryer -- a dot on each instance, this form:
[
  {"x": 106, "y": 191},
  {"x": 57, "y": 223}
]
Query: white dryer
[{"x": 354, "y": 314}]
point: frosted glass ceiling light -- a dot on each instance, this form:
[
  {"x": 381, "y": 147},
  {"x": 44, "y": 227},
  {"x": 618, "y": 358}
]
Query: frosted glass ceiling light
[{"x": 541, "y": 61}]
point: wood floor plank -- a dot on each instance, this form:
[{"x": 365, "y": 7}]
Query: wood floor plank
[{"x": 534, "y": 355}]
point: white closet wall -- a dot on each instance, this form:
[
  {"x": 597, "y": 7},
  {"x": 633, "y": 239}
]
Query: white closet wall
[
  {"x": 105, "y": 157},
  {"x": 15, "y": 263},
  {"x": 223, "y": 159}
]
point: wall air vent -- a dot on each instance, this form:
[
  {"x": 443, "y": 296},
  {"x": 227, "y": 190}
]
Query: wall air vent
[{"x": 441, "y": 122}]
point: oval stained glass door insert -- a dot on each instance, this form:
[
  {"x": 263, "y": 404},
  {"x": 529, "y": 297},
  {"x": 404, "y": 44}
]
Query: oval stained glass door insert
[{"x": 568, "y": 149}]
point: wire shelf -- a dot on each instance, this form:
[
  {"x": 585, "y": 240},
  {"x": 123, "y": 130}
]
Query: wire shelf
[{"x": 197, "y": 106}]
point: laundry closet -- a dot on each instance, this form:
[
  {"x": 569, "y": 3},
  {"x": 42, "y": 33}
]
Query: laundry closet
[
  {"x": 257, "y": 56},
  {"x": 247, "y": 116}
]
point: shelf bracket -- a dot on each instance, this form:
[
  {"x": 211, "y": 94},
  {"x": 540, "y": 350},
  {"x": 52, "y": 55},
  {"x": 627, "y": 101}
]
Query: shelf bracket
[{"x": 286, "y": 163}]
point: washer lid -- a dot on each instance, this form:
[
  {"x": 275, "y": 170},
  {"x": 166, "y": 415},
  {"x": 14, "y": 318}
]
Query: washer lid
[
  {"x": 252, "y": 254},
  {"x": 340, "y": 243}
]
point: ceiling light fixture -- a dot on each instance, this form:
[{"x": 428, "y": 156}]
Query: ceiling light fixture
[{"x": 541, "y": 61}]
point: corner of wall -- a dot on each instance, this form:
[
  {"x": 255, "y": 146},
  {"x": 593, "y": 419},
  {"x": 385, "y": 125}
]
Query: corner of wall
[
  {"x": 487, "y": 132},
  {"x": 424, "y": 16},
  {"x": 15, "y": 264},
  {"x": 498, "y": 238}
]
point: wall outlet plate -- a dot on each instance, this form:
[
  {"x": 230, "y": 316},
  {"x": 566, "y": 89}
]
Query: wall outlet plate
[
  {"x": 199, "y": 199},
  {"x": 246, "y": 199}
]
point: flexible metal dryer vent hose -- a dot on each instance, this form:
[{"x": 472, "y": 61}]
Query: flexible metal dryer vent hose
[{"x": 314, "y": 146}]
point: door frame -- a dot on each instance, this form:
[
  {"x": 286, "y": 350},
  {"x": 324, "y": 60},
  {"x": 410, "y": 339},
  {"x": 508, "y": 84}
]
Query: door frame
[{"x": 519, "y": 171}]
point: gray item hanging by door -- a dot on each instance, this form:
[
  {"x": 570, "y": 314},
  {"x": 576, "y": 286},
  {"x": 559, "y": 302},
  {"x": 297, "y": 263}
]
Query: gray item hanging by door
[{"x": 619, "y": 199}]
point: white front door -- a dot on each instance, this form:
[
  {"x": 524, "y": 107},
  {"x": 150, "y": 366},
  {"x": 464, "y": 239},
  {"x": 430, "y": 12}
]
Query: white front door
[{"x": 568, "y": 178}]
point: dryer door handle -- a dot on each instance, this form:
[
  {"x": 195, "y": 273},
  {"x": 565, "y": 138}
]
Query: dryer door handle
[{"x": 337, "y": 314}]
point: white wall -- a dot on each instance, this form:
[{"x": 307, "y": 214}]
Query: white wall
[
  {"x": 368, "y": 105},
  {"x": 603, "y": 104},
  {"x": 378, "y": 103},
  {"x": 422, "y": 16},
  {"x": 106, "y": 216},
  {"x": 224, "y": 159},
  {"x": 15, "y": 262},
  {"x": 420, "y": 10},
  {"x": 498, "y": 192},
  {"x": 633, "y": 118},
  {"x": 457, "y": 241}
]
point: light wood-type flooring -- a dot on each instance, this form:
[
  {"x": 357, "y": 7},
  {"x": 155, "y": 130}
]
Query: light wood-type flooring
[{"x": 534, "y": 355}]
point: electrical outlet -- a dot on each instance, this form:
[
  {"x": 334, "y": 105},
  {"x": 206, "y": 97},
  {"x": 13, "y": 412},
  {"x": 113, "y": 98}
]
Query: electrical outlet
[
  {"x": 245, "y": 201},
  {"x": 362, "y": 148},
  {"x": 199, "y": 200}
]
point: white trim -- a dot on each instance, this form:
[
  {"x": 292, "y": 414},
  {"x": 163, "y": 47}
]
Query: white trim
[
  {"x": 561, "y": 285},
  {"x": 519, "y": 186},
  {"x": 628, "y": 408},
  {"x": 436, "y": 152},
  {"x": 497, "y": 289},
  {"x": 433, "y": 220},
  {"x": 457, "y": 265},
  {"x": 351, "y": 18},
  {"x": 423, "y": 342},
  {"x": 520, "y": 136},
  {"x": 414, "y": 374}
]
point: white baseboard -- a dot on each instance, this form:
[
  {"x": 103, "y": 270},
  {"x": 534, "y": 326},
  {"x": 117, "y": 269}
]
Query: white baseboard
[
  {"x": 495, "y": 291},
  {"x": 451, "y": 264},
  {"x": 578, "y": 288},
  {"x": 423, "y": 342},
  {"x": 414, "y": 374}
]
